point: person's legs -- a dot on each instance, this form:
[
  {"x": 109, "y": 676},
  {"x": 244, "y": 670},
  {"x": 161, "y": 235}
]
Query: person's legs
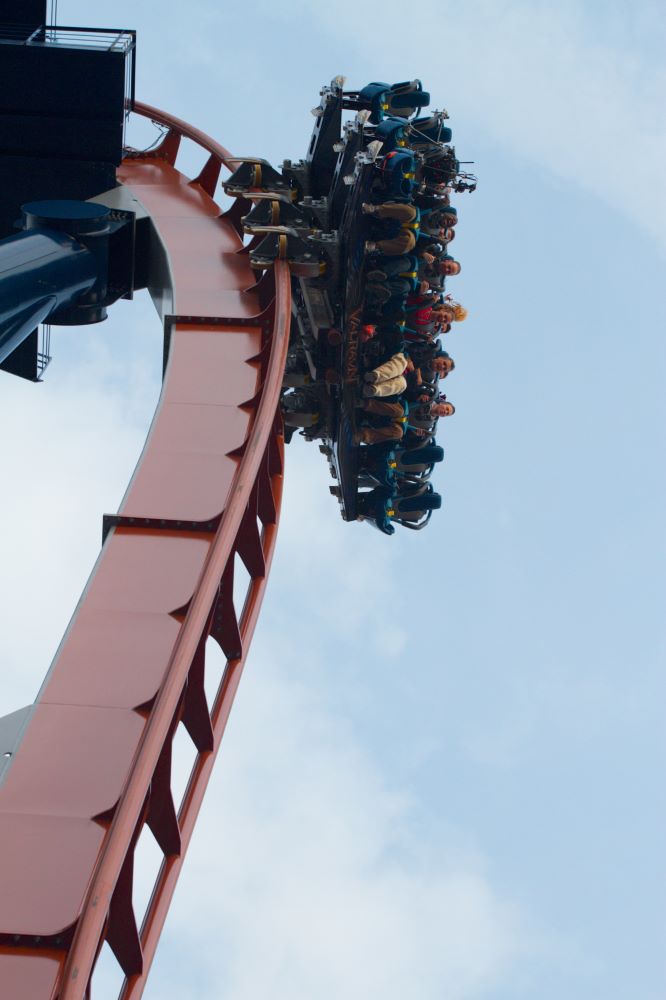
[
  {"x": 383, "y": 409},
  {"x": 389, "y": 267},
  {"x": 402, "y": 243},
  {"x": 395, "y": 210},
  {"x": 394, "y": 366},
  {"x": 389, "y": 387},
  {"x": 373, "y": 435},
  {"x": 391, "y": 338},
  {"x": 376, "y": 294}
]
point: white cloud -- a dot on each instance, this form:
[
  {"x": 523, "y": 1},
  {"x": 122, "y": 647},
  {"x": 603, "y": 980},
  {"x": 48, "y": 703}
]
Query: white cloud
[
  {"x": 308, "y": 871},
  {"x": 591, "y": 109}
]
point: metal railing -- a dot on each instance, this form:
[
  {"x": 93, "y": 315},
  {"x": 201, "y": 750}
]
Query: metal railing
[
  {"x": 99, "y": 39},
  {"x": 43, "y": 350}
]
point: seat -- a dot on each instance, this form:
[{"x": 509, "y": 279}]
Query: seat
[
  {"x": 255, "y": 174},
  {"x": 429, "y": 131},
  {"x": 273, "y": 213},
  {"x": 284, "y": 243},
  {"x": 382, "y": 99},
  {"x": 391, "y": 132},
  {"x": 406, "y": 99}
]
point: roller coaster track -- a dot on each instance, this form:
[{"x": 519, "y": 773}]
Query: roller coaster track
[{"x": 93, "y": 765}]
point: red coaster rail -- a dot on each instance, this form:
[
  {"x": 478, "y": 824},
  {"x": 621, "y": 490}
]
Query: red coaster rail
[{"x": 94, "y": 763}]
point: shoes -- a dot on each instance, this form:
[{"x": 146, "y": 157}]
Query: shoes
[
  {"x": 371, "y": 377},
  {"x": 357, "y": 437},
  {"x": 376, "y": 275},
  {"x": 373, "y": 148},
  {"x": 370, "y": 247},
  {"x": 368, "y": 209},
  {"x": 369, "y": 390}
]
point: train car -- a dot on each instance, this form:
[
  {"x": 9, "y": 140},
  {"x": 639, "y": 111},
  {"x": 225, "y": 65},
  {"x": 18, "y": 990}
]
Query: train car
[{"x": 365, "y": 221}]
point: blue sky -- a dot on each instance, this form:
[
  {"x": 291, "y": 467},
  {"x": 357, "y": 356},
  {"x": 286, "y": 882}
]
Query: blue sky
[{"x": 443, "y": 777}]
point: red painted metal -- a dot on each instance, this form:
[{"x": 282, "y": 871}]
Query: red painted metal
[{"x": 94, "y": 764}]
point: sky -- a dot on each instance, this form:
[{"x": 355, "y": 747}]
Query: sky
[{"x": 443, "y": 774}]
